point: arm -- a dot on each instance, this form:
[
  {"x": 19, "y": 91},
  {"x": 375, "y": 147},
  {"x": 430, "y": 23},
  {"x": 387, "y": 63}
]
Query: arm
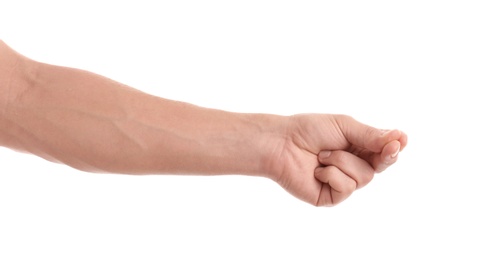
[{"x": 93, "y": 123}]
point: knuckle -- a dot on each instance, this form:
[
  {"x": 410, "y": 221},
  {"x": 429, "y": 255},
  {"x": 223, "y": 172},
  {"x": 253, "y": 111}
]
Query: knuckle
[
  {"x": 332, "y": 169},
  {"x": 367, "y": 178},
  {"x": 339, "y": 157},
  {"x": 343, "y": 117},
  {"x": 349, "y": 187},
  {"x": 342, "y": 121},
  {"x": 370, "y": 135}
]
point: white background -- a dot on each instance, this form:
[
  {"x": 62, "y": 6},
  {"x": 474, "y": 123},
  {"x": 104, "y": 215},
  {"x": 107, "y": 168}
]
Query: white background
[{"x": 411, "y": 65}]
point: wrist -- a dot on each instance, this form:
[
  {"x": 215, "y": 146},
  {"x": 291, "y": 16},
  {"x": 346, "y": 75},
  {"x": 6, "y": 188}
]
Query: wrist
[
  {"x": 17, "y": 75},
  {"x": 269, "y": 140}
]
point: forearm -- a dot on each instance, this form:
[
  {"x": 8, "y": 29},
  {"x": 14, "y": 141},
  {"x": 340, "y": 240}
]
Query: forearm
[{"x": 96, "y": 124}]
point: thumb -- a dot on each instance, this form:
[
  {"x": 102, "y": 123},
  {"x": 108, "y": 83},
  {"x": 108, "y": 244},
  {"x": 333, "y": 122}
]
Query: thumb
[{"x": 365, "y": 136}]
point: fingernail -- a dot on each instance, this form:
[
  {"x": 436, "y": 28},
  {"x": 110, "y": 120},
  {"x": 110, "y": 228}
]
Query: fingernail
[
  {"x": 396, "y": 152},
  {"x": 324, "y": 154}
]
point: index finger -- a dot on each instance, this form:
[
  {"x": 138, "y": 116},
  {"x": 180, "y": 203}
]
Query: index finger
[{"x": 367, "y": 137}]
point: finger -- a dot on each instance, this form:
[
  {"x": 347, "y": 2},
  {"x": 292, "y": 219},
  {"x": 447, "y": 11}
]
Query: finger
[
  {"x": 403, "y": 141},
  {"x": 355, "y": 167},
  {"x": 387, "y": 157},
  {"x": 325, "y": 196},
  {"x": 341, "y": 185},
  {"x": 365, "y": 136}
]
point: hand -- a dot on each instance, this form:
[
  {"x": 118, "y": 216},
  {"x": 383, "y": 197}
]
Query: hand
[{"x": 324, "y": 158}]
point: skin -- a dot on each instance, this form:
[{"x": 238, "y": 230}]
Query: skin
[{"x": 96, "y": 124}]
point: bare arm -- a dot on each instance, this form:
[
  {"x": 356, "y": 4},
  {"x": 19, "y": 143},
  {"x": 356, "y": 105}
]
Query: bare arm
[
  {"x": 93, "y": 123},
  {"x": 96, "y": 124}
]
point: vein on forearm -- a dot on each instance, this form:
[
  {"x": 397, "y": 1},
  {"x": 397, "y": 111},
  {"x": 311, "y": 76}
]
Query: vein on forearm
[{"x": 96, "y": 124}]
